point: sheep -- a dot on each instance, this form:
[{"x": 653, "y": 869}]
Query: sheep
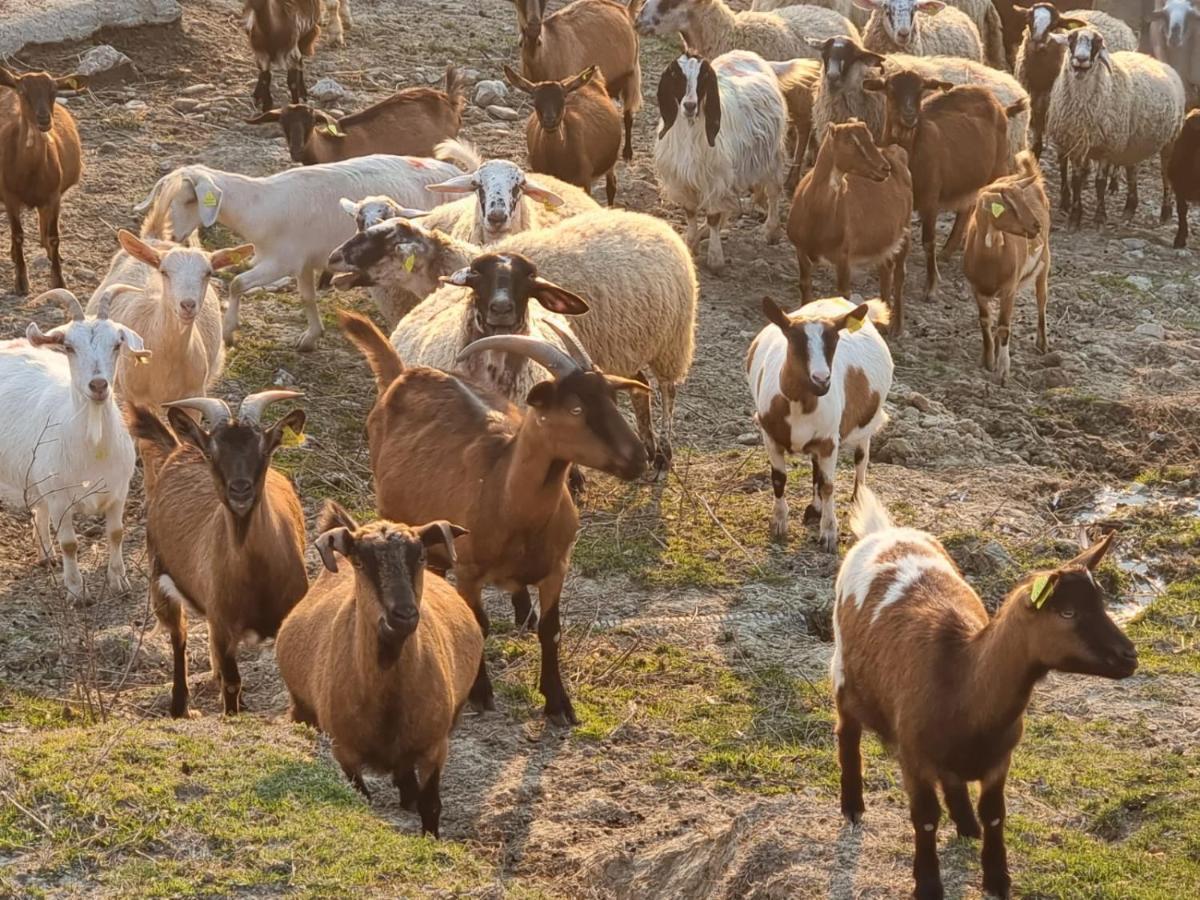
[
  {"x": 853, "y": 207},
  {"x": 1183, "y": 171},
  {"x": 174, "y": 307},
  {"x": 65, "y": 449},
  {"x": 816, "y": 390},
  {"x": 581, "y": 34},
  {"x": 797, "y": 82},
  {"x": 895, "y": 26},
  {"x": 1116, "y": 109},
  {"x": 1175, "y": 40},
  {"x": 603, "y": 260},
  {"x": 1007, "y": 248},
  {"x": 917, "y": 661},
  {"x": 212, "y": 495},
  {"x": 508, "y": 485},
  {"x": 411, "y": 122},
  {"x": 40, "y": 160},
  {"x": 713, "y": 29},
  {"x": 957, "y": 141},
  {"x": 841, "y": 7},
  {"x": 381, "y": 655},
  {"x": 1039, "y": 59},
  {"x": 738, "y": 146},
  {"x": 574, "y": 131},
  {"x": 281, "y": 33},
  {"x": 293, "y": 218}
]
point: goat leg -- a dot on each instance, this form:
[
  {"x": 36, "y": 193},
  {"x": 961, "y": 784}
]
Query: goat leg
[
  {"x": 805, "y": 263},
  {"x": 929, "y": 242},
  {"x": 849, "y": 741},
  {"x": 262, "y": 89},
  {"x": 170, "y": 614},
  {"x": 958, "y": 802},
  {"x": 1164, "y": 210},
  {"x": 1101, "y": 194},
  {"x": 523, "y": 614},
  {"x": 988, "y": 360},
  {"x": 996, "y": 880},
  {"x": 222, "y": 649},
  {"x": 1131, "y": 192},
  {"x": 610, "y": 187},
  {"x": 896, "y": 328},
  {"x": 406, "y": 782},
  {"x": 49, "y": 234},
  {"x": 558, "y": 707},
  {"x": 429, "y": 802},
  {"x": 13, "y": 205},
  {"x": 1064, "y": 176},
  {"x": 924, "y": 812},
  {"x": 1043, "y": 290},
  {"x": 716, "y": 255},
  {"x": 779, "y": 470},
  {"x": 812, "y": 512},
  {"x": 295, "y": 81},
  {"x": 352, "y": 767},
  {"x": 1181, "y": 212},
  {"x": 627, "y": 154},
  {"x": 957, "y": 233}
]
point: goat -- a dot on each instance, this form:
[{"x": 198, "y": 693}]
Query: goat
[
  {"x": 281, "y": 33},
  {"x": 853, "y": 207},
  {"x": 1184, "y": 173},
  {"x": 957, "y": 141},
  {"x": 917, "y": 661},
  {"x": 411, "y": 122},
  {"x": 816, "y": 390},
  {"x": 797, "y": 82},
  {"x": 1007, "y": 248},
  {"x": 212, "y": 495},
  {"x": 175, "y": 308},
  {"x": 581, "y": 34},
  {"x": 382, "y": 654},
  {"x": 65, "y": 449},
  {"x": 738, "y": 147},
  {"x": 574, "y": 131},
  {"x": 339, "y": 19},
  {"x": 509, "y": 486},
  {"x": 40, "y": 160}
]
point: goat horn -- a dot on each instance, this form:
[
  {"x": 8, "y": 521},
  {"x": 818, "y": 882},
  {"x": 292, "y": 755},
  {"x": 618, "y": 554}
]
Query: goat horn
[
  {"x": 69, "y": 302},
  {"x": 572, "y": 345},
  {"x": 255, "y": 405},
  {"x": 212, "y": 408},
  {"x": 549, "y": 356},
  {"x": 102, "y": 305}
]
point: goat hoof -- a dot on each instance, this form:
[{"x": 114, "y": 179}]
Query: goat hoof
[
  {"x": 309, "y": 341},
  {"x": 1180, "y": 243},
  {"x": 998, "y": 887},
  {"x": 812, "y": 515},
  {"x": 969, "y": 829},
  {"x": 565, "y": 717},
  {"x": 829, "y": 542},
  {"x": 929, "y": 891},
  {"x": 662, "y": 460},
  {"x": 853, "y": 816},
  {"x": 118, "y": 583}
]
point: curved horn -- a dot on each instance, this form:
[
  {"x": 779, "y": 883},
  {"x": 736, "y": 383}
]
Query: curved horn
[
  {"x": 212, "y": 408},
  {"x": 106, "y": 298},
  {"x": 572, "y": 344},
  {"x": 549, "y": 356},
  {"x": 255, "y": 405},
  {"x": 63, "y": 297}
]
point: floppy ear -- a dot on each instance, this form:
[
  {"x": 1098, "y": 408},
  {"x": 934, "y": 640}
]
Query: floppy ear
[
  {"x": 271, "y": 115},
  {"x": 517, "y": 80},
  {"x": 293, "y": 421},
  {"x": 7, "y": 78},
  {"x": 139, "y": 249},
  {"x": 187, "y": 429},
  {"x": 670, "y": 92},
  {"x": 208, "y": 195},
  {"x": 338, "y": 539},
  {"x": 540, "y": 194},
  {"x": 71, "y": 82},
  {"x": 231, "y": 256},
  {"x": 777, "y": 316},
  {"x": 1091, "y": 558},
  {"x": 1105, "y": 58},
  {"x": 441, "y": 533},
  {"x": 574, "y": 84},
  {"x": 710, "y": 92},
  {"x": 822, "y": 46},
  {"x": 1071, "y": 24},
  {"x": 874, "y": 84},
  {"x": 464, "y": 277},
  {"x": 134, "y": 343},
  {"x": 558, "y": 299},
  {"x": 627, "y": 384}
]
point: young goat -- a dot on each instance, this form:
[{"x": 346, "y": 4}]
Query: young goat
[
  {"x": 1007, "y": 248},
  {"x": 917, "y": 661},
  {"x": 509, "y": 484},
  {"x": 1184, "y": 173},
  {"x": 411, "y": 122},
  {"x": 957, "y": 141},
  {"x": 574, "y": 131},
  {"x": 40, "y": 160},
  {"x": 815, "y": 390},
  {"x": 381, "y": 655},
  {"x": 224, "y": 530},
  {"x": 65, "y": 449},
  {"x": 281, "y": 33},
  {"x": 853, "y": 207},
  {"x": 582, "y": 34}
]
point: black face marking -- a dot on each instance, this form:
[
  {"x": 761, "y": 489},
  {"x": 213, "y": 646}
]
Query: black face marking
[{"x": 501, "y": 291}]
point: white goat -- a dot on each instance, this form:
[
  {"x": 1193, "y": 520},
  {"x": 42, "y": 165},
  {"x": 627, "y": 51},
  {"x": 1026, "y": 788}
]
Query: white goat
[
  {"x": 65, "y": 447},
  {"x": 176, "y": 311},
  {"x": 731, "y": 143},
  {"x": 292, "y": 218}
]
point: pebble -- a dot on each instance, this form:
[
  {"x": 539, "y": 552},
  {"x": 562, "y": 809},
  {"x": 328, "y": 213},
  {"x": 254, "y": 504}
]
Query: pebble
[
  {"x": 108, "y": 148},
  {"x": 503, "y": 113},
  {"x": 469, "y": 74},
  {"x": 920, "y": 401},
  {"x": 195, "y": 89},
  {"x": 184, "y": 104},
  {"x": 490, "y": 93},
  {"x": 105, "y": 64},
  {"x": 1140, "y": 282},
  {"x": 327, "y": 90},
  {"x": 85, "y": 274},
  {"x": 40, "y": 263},
  {"x": 1151, "y": 329},
  {"x": 283, "y": 378},
  {"x": 1134, "y": 243},
  {"x": 749, "y": 439},
  {"x": 137, "y": 104},
  {"x": 164, "y": 166}
]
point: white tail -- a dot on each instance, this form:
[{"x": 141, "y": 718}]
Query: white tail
[
  {"x": 462, "y": 154},
  {"x": 869, "y": 514}
]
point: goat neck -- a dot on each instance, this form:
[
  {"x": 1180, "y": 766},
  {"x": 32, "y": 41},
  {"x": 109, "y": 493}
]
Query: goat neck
[
  {"x": 1000, "y": 674},
  {"x": 536, "y": 479}
]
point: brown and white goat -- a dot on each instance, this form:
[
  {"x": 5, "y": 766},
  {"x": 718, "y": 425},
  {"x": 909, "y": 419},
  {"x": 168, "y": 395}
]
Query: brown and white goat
[
  {"x": 581, "y": 34},
  {"x": 574, "y": 131},
  {"x": 381, "y": 655},
  {"x": 282, "y": 33},
  {"x": 1007, "y": 248},
  {"x": 224, "y": 530},
  {"x": 40, "y": 160},
  {"x": 411, "y": 122},
  {"x": 957, "y": 141},
  {"x": 508, "y": 484},
  {"x": 917, "y": 661},
  {"x": 853, "y": 208}
]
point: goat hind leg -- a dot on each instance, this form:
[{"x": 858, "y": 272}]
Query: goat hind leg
[
  {"x": 17, "y": 245},
  {"x": 482, "y": 697},
  {"x": 405, "y": 781},
  {"x": 849, "y": 742},
  {"x": 958, "y": 802},
  {"x": 716, "y": 255},
  {"x": 929, "y": 241},
  {"x": 308, "y": 296},
  {"x": 957, "y": 234},
  {"x": 261, "y": 274},
  {"x": 1164, "y": 210},
  {"x": 170, "y": 614},
  {"x": 627, "y": 153},
  {"x": 262, "y": 87}
]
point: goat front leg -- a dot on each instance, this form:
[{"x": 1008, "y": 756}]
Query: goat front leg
[
  {"x": 924, "y": 812},
  {"x": 17, "y": 245},
  {"x": 114, "y": 528},
  {"x": 222, "y": 651},
  {"x": 41, "y": 531},
  {"x": 958, "y": 801},
  {"x": 825, "y": 468},
  {"x": 335, "y": 23},
  {"x": 716, "y": 256},
  {"x": 48, "y": 228},
  {"x": 481, "y": 697},
  {"x": 1003, "y": 332},
  {"x": 896, "y": 327},
  {"x": 429, "y": 800},
  {"x": 983, "y": 302},
  {"x": 779, "y": 470},
  {"x": 1043, "y": 292},
  {"x": 558, "y": 707},
  {"x": 958, "y": 231},
  {"x": 169, "y": 612},
  {"x": 849, "y": 741},
  {"x": 610, "y": 188},
  {"x": 627, "y": 115},
  {"x": 929, "y": 242},
  {"x": 63, "y": 520},
  {"x": 996, "y": 880},
  {"x": 692, "y": 235},
  {"x": 805, "y": 263},
  {"x": 306, "y": 281},
  {"x": 772, "y": 230},
  {"x": 262, "y": 87},
  {"x": 262, "y": 273},
  {"x": 842, "y": 266},
  {"x": 862, "y": 458},
  {"x": 523, "y": 615}
]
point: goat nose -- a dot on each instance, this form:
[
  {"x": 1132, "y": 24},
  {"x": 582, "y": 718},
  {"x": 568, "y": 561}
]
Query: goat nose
[
  {"x": 188, "y": 306},
  {"x": 241, "y": 486},
  {"x": 98, "y": 387},
  {"x": 689, "y": 107}
]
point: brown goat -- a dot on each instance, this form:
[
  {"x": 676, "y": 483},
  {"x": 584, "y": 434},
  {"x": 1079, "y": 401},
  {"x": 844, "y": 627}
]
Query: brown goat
[
  {"x": 1183, "y": 171},
  {"x": 411, "y": 122},
  {"x": 798, "y": 80},
  {"x": 574, "y": 131},
  {"x": 957, "y": 141},
  {"x": 581, "y": 34},
  {"x": 853, "y": 207},
  {"x": 508, "y": 484},
  {"x": 224, "y": 530},
  {"x": 40, "y": 160},
  {"x": 281, "y": 32},
  {"x": 1008, "y": 246},
  {"x": 381, "y": 655},
  {"x": 917, "y": 661}
]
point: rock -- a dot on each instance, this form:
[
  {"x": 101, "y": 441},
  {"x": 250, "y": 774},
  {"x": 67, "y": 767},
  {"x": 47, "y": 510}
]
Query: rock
[
  {"x": 1052, "y": 360},
  {"x": 749, "y": 439},
  {"x": 40, "y": 263},
  {"x": 85, "y": 274},
  {"x": 283, "y": 378},
  {"x": 897, "y": 449},
  {"x": 1139, "y": 282},
  {"x": 195, "y": 89},
  {"x": 108, "y": 148},
  {"x": 1151, "y": 329},
  {"x": 59, "y": 21},
  {"x": 1134, "y": 243},
  {"x": 184, "y": 104},
  {"x": 503, "y": 113},
  {"x": 1055, "y": 378},
  {"x": 105, "y": 65},
  {"x": 137, "y": 104},
  {"x": 327, "y": 91},
  {"x": 489, "y": 93},
  {"x": 920, "y": 401},
  {"x": 165, "y": 166},
  {"x": 1136, "y": 254}
]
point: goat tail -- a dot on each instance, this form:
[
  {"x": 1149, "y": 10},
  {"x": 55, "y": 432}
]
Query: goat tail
[
  {"x": 1027, "y": 165},
  {"x": 1017, "y": 108},
  {"x": 461, "y": 153},
  {"x": 456, "y": 89},
  {"x": 878, "y": 312},
  {"x": 868, "y": 515},
  {"x": 381, "y": 356}
]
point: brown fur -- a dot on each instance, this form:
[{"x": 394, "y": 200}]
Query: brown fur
[
  {"x": 861, "y": 402},
  {"x": 283, "y": 33},
  {"x": 798, "y": 84}
]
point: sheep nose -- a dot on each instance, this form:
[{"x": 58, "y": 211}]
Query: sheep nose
[
  {"x": 98, "y": 388},
  {"x": 902, "y": 34},
  {"x": 188, "y": 307},
  {"x": 497, "y": 217}
]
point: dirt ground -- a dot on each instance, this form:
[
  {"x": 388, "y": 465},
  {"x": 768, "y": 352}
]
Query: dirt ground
[{"x": 1004, "y": 471}]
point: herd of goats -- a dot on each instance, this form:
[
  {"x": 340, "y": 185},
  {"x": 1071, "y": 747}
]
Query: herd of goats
[{"x": 867, "y": 112}]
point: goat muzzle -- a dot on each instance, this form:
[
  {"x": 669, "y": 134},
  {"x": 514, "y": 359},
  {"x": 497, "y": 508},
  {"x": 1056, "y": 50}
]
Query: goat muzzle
[
  {"x": 98, "y": 389},
  {"x": 396, "y": 625}
]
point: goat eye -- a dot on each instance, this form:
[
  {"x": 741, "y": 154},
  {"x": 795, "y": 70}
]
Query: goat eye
[
  {"x": 1067, "y": 612},
  {"x": 356, "y": 562}
]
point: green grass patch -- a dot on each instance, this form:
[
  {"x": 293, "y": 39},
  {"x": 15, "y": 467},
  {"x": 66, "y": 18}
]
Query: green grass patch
[
  {"x": 1166, "y": 631},
  {"x": 21, "y": 709}
]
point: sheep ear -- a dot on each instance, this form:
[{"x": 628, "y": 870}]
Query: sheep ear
[
  {"x": 542, "y": 195},
  {"x": 442, "y": 533},
  {"x": 558, "y": 299},
  {"x": 873, "y": 84},
  {"x": 709, "y": 87},
  {"x": 869, "y": 5},
  {"x": 465, "y": 277},
  {"x": 1022, "y": 9},
  {"x": 139, "y": 249},
  {"x": 459, "y": 184},
  {"x": 1072, "y": 24},
  {"x": 349, "y": 207},
  {"x": 338, "y": 539},
  {"x": 271, "y": 115},
  {"x": 231, "y": 256},
  {"x": 188, "y": 429},
  {"x": 1106, "y": 58},
  {"x": 631, "y": 385},
  {"x": 1091, "y": 558},
  {"x": 933, "y": 84},
  {"x": 819, "y": 45},
  {"x": 777, "y": 316},
  {"x": 929, "y": 6}
]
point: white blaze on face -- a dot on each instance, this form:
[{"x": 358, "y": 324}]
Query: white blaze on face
[
  {"x": 899, "y": 14},
  {"x": 1081, "y": 58},
  {"x": 499, "y": 186},
  {"x": 818, "y": 366},
  {"x": 185, "y": 274},
  {"x": 1040, "y": 25},
  {"x": 690, "y": 103},
  {"x": 1178, "y": 12}
]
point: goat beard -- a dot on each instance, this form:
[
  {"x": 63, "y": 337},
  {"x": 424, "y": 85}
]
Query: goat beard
[{"x": 95, "y": 423}]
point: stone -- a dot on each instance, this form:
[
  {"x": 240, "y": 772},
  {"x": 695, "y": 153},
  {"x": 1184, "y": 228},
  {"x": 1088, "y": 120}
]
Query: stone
[
  {"x": 1055, "y": 378},
  {"x": 85, "y": 274},
  {"x": 1139, "y": 282},
  {"x": 137, "y": 104},
  {"x": 195, "y": 89},
  {"x": 920, "y": 401},
  {"x": 1052, "y": 360},
  {"x": 108, "y": 148},
  {"x": 58, "y": 21},
  {"x": 184, "y": 104},
  {"x": 105, "y": 65},
  {"x": 898, "y": 449},
  {"x": 327, "y": 90},
  {"x": 749, "y": 439},
  {"x": 490, "y": 93},
  {"x": 1134, "y": 243},
  {"x": 283, "y": 378},
  {"x": 503, "y": 113},
  {"x": 1151, "y": 329}
]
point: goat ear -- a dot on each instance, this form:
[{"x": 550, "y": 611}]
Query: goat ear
[
  {"x": 231, "y": 256},
  {"x": 208, "y": 196},
  {"x": 541, "y": 395},
  {"x": 934, "y": 84},
  {"x": 633, "y": 386},
  {"x": 139, "y": 249},
  {"x": 1091, "y": 558},
  {"x": 777, "y": 316},
  {"x": 558, "y": 299},
  {"x": 134, "y": 344},
  {"x": 465, "y": 277},
  {"x": 1042, "y": 589},
  {"x": 709, "y": 89},
  {"x": 874, "y": 84},
  {"x": 441, "y": 533},
  {"x": 517, "y": 80},
  {"x": 853, "y": 320},
  {"x": 271, "y": 115},
  {"x": 821, "y": 46},
  {"x": 542, "y": 195},
  {"x": 71, "y": 82},
  {"x": 574, "y": 84},
  {"x": 1059, "y": 38},
  {"x": 39, "y": 338},
  {"x": 293, "y": 421},
  {"x": 334, "y": 515},
  {"x": 338, "y": 539},
  {"x": 670, "y": 92},
  {"x": 188, "y": 429},
  {"x": 1072, "y": 24}
]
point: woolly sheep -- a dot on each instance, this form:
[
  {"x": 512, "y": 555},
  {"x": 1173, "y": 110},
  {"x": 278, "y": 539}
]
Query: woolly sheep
[{"x": 896, "y": 26}]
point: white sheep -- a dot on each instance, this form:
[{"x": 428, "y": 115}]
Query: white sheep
[
  {"x": 293, "y": 218},
  {"x": 176, "y": 310},
  {"x": 712, "y": 28},
  {"x": 898, "y": 26},
  {"x": 1116, "y": 109},
  {"x": 730, "y": 142},
  {"x": 1175, "y": 40},
  {"x": 65, "y": 448}
]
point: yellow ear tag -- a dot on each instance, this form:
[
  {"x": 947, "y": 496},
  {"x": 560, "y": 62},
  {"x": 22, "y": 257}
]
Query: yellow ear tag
[
  {"x": 142, "y": 360},
  {"x": 210, "y": 199},
  {"x": 409, "y": 262},
  {"x": 1042, "y": 589},
  {"x": 997, "y": 210},
  {"x": 853, "y": 324},
  {"x": 292, "y": 438}
]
